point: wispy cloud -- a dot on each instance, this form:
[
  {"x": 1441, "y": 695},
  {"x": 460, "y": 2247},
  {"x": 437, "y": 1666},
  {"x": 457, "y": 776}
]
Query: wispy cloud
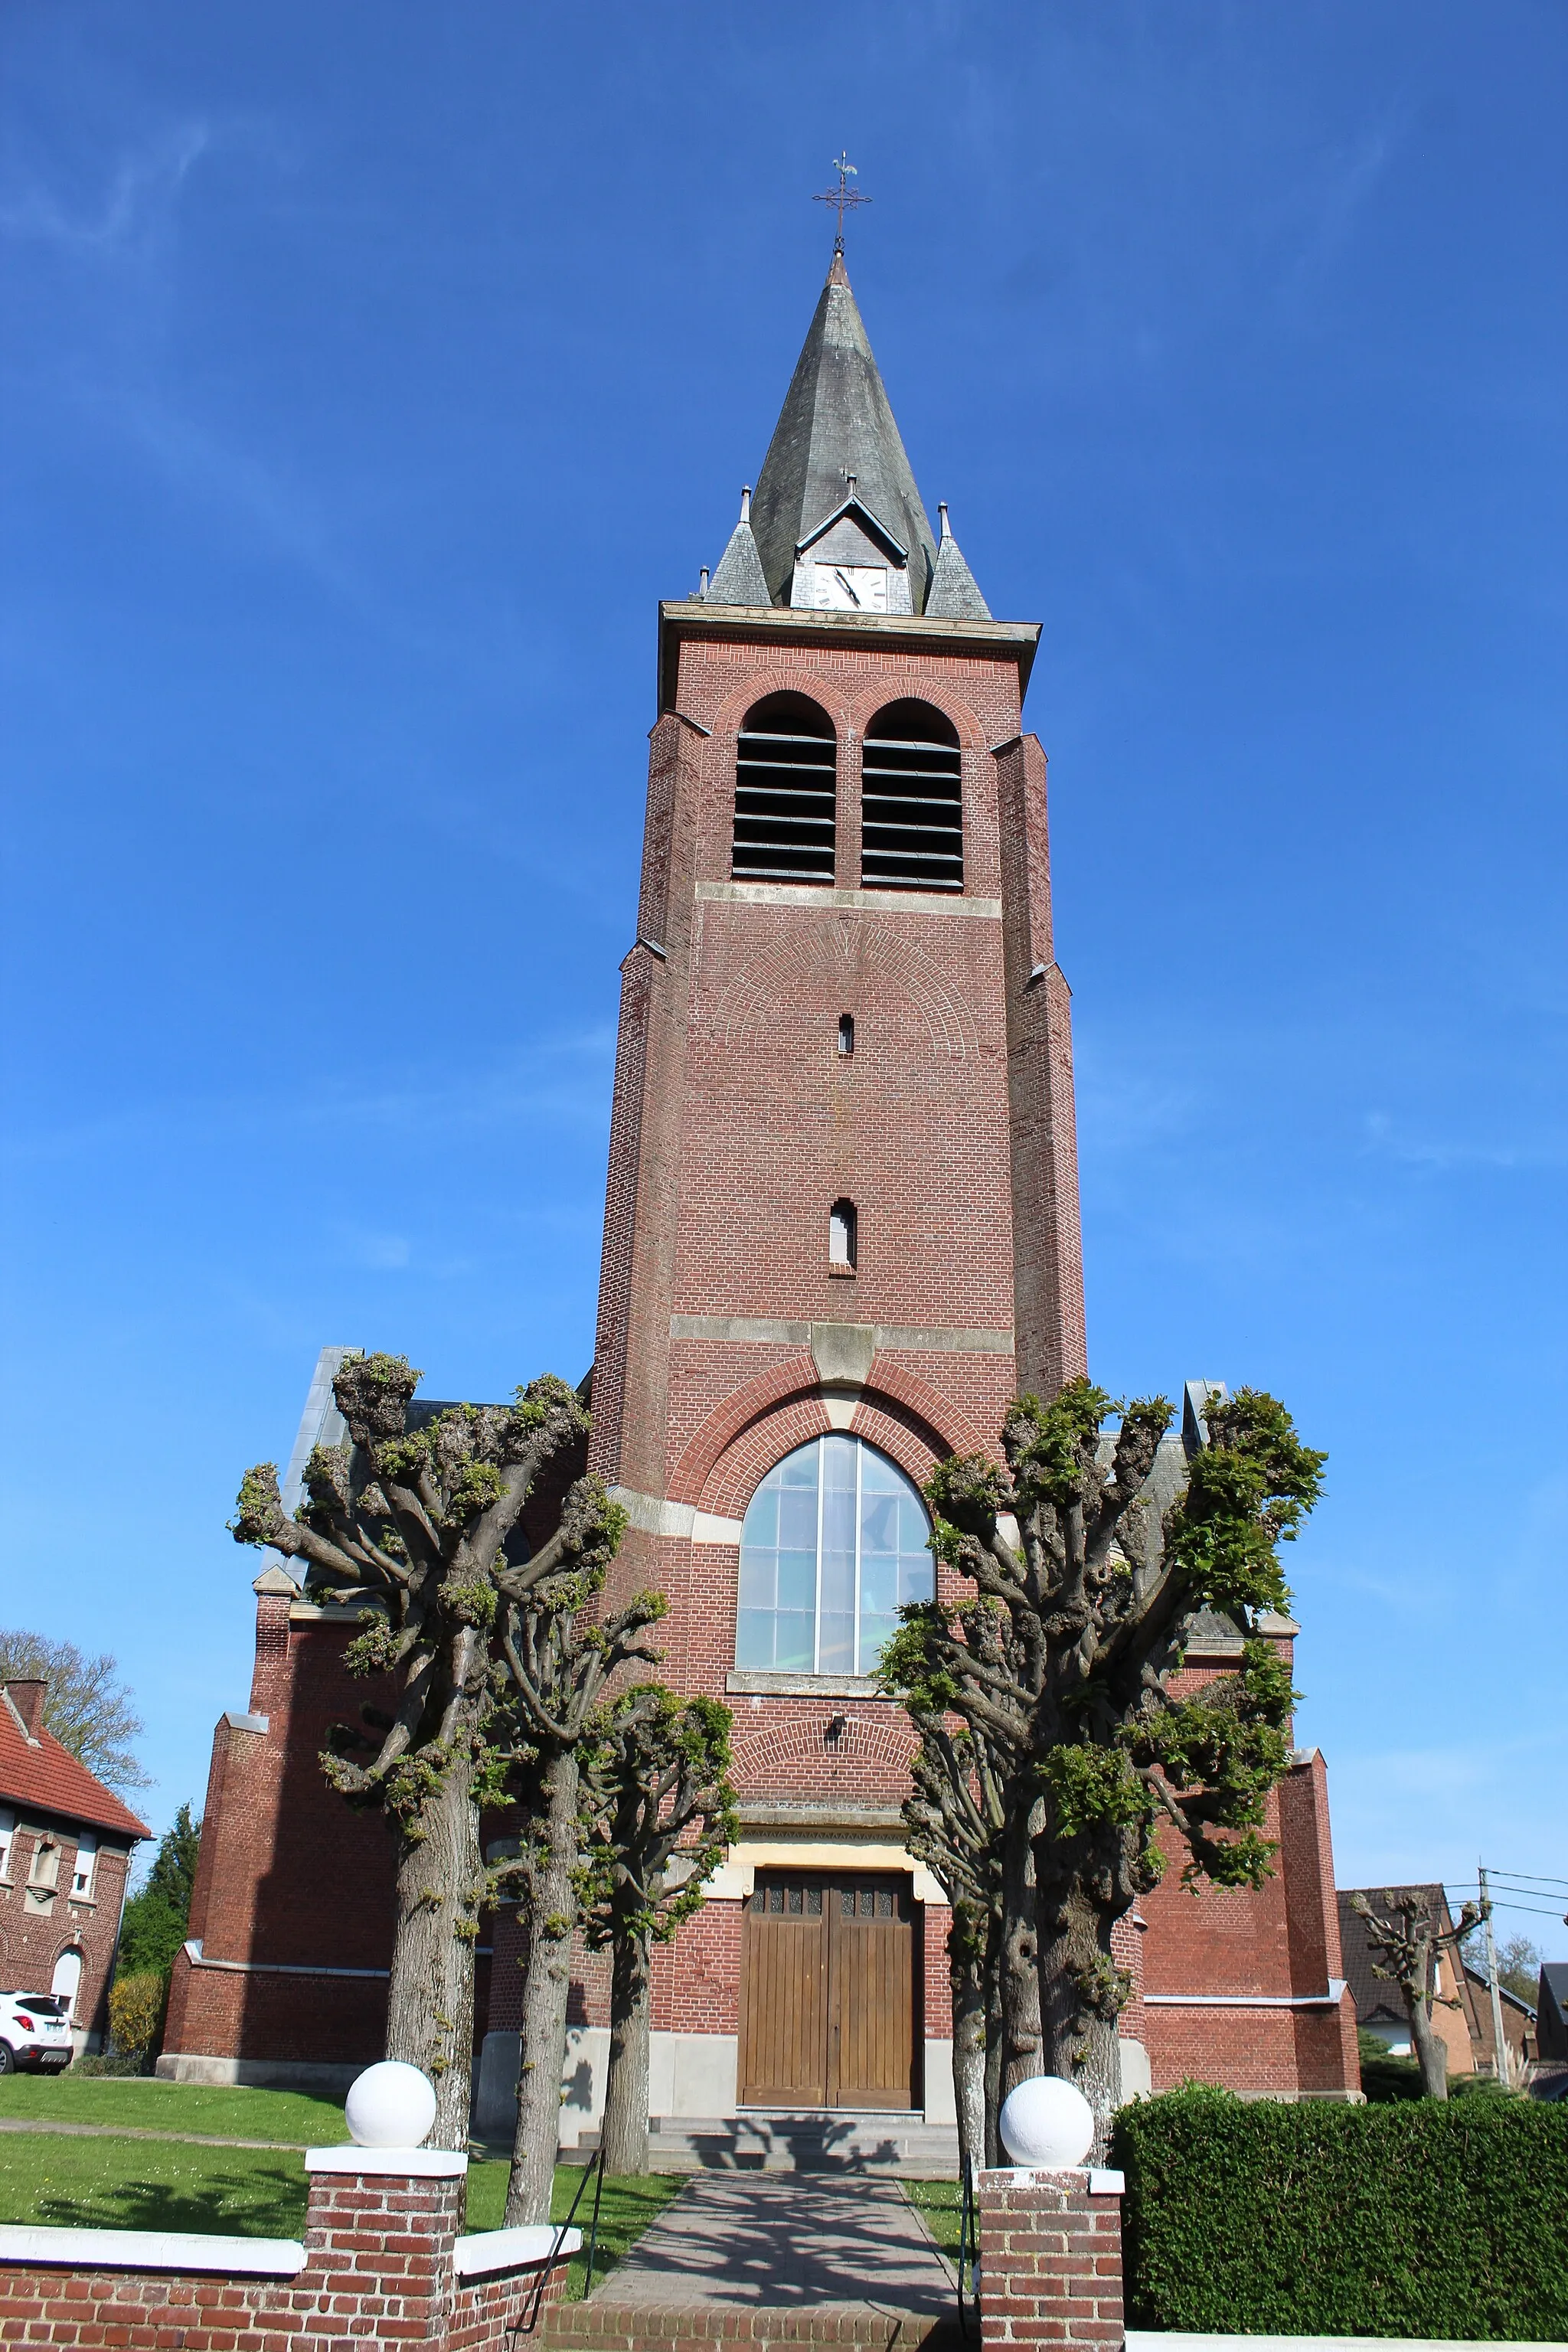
[
  {"x": 132, "y": 208},
  {"x": 559, "y": 1084},
  {"x": 1384, "y": 1138}
]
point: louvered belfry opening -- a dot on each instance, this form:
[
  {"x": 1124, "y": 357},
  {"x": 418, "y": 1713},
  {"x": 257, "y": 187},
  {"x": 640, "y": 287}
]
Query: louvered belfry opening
[
  {"x": 785, "y": 781},
  {"x": 911, "y": 801}
]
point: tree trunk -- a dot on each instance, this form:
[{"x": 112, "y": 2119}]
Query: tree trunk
[
  {"x": 993, "y": 2155},
  {"x": 623, "y": 2132},
  {"x": 430, "y": 1999},
  {"x": 546, "y": 1983},
  {"x": 1022, "y": 2055},
  {"x": 1081, "y": 2038},
  {"x": 966, "y": 1970},
  {"x": 1430, "y": 2050}
]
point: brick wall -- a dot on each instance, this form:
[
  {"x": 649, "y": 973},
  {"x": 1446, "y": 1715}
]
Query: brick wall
[
  {"x": 377, "y": 2265},
  {"x": 1050, "y": 2258},
  {"x": 35, "y": 1930}
]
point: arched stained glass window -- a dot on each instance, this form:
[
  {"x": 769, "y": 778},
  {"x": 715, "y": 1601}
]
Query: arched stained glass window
[{"x": 836, "y": 1542}]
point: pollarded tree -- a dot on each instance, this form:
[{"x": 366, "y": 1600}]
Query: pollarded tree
[
  {"x": 557, "y": 1657},
  {"x": 1066, "y": 1659},
  {"x": 660, "y": 1812},
  {"x": 414, "y": 1522},
  {"x": 1409, "y": 1938}
]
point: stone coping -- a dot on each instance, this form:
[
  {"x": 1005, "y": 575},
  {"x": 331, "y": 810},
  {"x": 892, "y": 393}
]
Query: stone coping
[
  {"x": 152, "y": 2249},
  {"x": 414, "y": 2163},
  {"x": 485, "y": 2252}
]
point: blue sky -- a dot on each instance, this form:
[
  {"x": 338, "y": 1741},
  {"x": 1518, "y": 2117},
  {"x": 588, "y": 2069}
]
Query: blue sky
[{"x": 369, "y": 374}]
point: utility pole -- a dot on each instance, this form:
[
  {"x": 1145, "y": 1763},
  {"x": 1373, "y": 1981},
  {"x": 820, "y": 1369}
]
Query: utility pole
[{"x": 1498, "y": 2045}]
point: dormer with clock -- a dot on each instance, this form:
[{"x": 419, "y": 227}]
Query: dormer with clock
[{"x": 851, "y": 564}]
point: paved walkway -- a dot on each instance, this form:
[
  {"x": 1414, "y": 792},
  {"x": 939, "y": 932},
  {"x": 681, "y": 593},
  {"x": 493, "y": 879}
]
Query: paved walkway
[
  {"x": 787, "y": 2241},
  {"x": 130, "y": 2131}
]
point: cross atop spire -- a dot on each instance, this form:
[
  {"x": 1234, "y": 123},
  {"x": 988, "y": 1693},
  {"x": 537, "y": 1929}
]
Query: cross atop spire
[{"x": 843, "y": 197}]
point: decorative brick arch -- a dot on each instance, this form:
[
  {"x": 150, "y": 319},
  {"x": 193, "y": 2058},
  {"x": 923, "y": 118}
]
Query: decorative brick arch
[
  {"x": 866, "y": 704},
  {"x": 806, "y": 1756},
  {"x": 791, "y": 1383},
  {"x": 804, "y": 977},
  {"x": 735, "y": 1448},
  {"x": 813, "y": 686},
  {"x": 896, "y": 1400}
]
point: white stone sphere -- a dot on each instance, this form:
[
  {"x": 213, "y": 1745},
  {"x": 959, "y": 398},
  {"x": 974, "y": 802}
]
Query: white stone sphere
[
  {"x": 390, "y": 2106},
  {"x": 1047, "y": 2122}
]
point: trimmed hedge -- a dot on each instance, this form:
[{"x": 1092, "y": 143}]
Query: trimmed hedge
[{"x": 1251, "y": 2217}]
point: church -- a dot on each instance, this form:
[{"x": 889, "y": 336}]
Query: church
[{"x": 841, "y": 1232}]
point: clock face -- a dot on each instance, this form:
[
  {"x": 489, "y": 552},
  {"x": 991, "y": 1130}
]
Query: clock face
[{"x": 849, "y": 587}]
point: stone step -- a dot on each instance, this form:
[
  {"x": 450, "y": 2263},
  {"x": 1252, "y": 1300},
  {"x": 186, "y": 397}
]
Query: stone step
[
  {"x": 894, "y": 2144},
  {"x": 606, "y": 2327}
]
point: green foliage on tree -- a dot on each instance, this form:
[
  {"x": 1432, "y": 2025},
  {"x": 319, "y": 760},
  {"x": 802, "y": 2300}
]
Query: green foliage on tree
[
  {"x": 1063, "y": 1665},
  {"x": 137, "y": 2004},
  {"x": 414, "y": 1524},
  {"x": 1519, "y": 1968},
  {"x": 87, "y": 1706},
  {"x": 156, "y": 1919},
  {"x": 659, "y": 1813}
]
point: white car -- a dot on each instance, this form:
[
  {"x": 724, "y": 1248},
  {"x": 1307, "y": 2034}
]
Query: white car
[{"x": 35, "y": 2031}]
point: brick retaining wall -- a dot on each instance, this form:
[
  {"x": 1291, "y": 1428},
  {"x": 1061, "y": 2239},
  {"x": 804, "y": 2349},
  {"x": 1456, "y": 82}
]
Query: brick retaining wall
[{"x": 383, "y": 2260}]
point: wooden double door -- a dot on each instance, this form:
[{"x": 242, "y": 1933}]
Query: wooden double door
[{"x": 827, "y": 1991}]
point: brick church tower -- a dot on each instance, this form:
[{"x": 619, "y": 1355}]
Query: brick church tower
[
  {"x": 842, "y": 1224},
  {"x": 841, "y": 1233}
]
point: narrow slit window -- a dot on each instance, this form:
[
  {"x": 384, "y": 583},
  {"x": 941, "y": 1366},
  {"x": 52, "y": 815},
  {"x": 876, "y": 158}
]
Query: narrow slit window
[
  {"x": 786, "y": 771},
  {"x": 911, "y": 801},
  {"x": 846, "y": 1033},
  {"x": 841, "y": 1233}
]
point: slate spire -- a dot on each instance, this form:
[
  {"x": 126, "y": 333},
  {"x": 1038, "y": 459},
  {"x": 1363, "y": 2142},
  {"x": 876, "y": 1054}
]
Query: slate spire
[
  {"x": 837, "y": 423},
  {"x": 953, "y": 595},
  {"x": 738, "y": 579}
]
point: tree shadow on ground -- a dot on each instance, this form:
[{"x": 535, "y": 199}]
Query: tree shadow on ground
[
  {"x": 268, "y": 2203},
  {"x": 782, "y": 2239}
]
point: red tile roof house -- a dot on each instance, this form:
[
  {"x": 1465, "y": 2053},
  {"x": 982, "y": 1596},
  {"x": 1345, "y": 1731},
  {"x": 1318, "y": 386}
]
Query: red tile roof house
[{"x": 64, "y": 1856}]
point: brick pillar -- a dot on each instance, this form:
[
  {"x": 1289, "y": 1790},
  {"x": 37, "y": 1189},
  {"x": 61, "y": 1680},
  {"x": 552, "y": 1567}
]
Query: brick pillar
[
  {"x": 1050, "y": 2258},
  {"x": 380, "y": 2228}
]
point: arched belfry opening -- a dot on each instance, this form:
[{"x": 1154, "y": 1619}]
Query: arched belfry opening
[
  {"x": 785, "y": 781},
  {"x": 911, "y": 801}
]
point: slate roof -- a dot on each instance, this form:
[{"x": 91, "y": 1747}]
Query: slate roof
[
  {"x": 837, "y": 421},
  {"x": 42, "y": 1777},
  {"x": 1552, "y": 2010}
]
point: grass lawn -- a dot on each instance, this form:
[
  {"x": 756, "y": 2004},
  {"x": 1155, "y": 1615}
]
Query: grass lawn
[
  {"x": 126, "y": 2184},
  {"x": 940, "y": 2204},
  {"x": 133, "y": 2104}
]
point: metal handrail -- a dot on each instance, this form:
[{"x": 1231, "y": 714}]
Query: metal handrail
[{"x": 595, "y": 2171}]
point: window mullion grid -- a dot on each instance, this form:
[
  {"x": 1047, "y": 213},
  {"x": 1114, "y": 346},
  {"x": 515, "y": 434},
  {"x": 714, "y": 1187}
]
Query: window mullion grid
[
  {"x": 859, "y": 1473},
  {"x": 816, "y": 1620}
]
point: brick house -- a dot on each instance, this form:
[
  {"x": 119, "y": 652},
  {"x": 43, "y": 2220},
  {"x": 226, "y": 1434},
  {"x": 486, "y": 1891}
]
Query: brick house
[
  {"x": 64, "y": 1856},
  {"x": 841, "y": 1232}
]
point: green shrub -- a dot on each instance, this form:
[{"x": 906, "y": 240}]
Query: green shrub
[
  {"x": 1420, "y": 2219},
  {"x": 136, "y": 2005}
]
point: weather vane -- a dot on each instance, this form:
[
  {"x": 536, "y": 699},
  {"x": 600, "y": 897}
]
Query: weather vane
[{"x": 844, "y": 196}]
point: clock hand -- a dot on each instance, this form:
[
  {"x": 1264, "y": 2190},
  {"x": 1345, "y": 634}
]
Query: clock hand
[{"x": 845, "y": 585}]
